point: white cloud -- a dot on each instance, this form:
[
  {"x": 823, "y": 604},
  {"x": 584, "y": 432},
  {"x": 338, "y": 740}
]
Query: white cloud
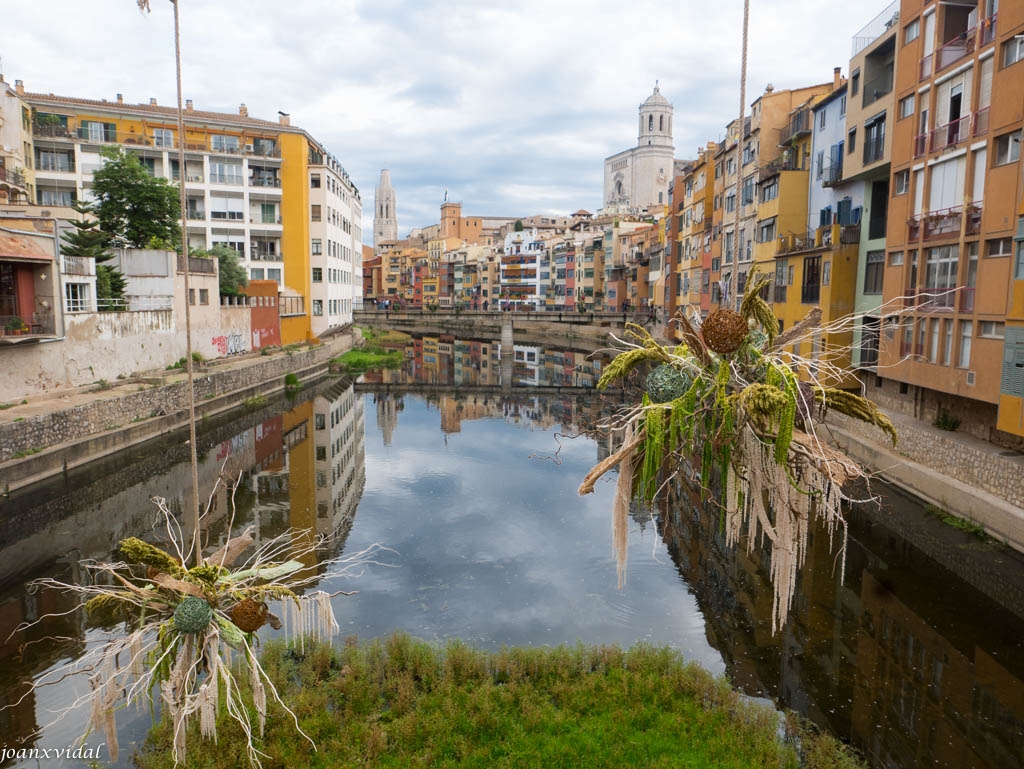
[{"x": 511, "y": 109}]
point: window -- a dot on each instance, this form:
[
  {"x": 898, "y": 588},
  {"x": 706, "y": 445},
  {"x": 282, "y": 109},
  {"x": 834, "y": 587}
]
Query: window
[
  {"x": 274, "y": 273},
  {"x": 225, "y": 173},
  {"x": 1018, "y": 267},
  {"x": 55, "y": 197},
  {"x": 317, "y": 246},
  {"x": 1013, "y": 51},
  {"x": 821, "y": 119},
  {"x": 314, "y": 181},
  {"x": 766, "y": 230},
  {"x": 192, "y": 296},
  {"x": 163, "y": 137},
  {"x": 992, "y": 329},
  {"x": 826, "y": 273},
  {"x": 901, "y": 182},
  {"x": 1007, "y": 148},
  {"x": 940, "y": 272},
  {"x": 315, "y": 213},
  {"x": 770, "y": 191},
  {"x": 851, "y": 141},
  {"x": 874, "y": 269},
  {"x": 874, "y": 139},
  {"x": 220, "y": 143},
  {"x": 842, "y": 106},
  {"x": 748, "y": 191},
  {"x": 256, "y": 273},
  {"x": 855, "y": 82},
  {"x": 318, "y": 307},
  {"x": 907, "y": 105},
  {"x": 947, "y": 344},
  {"x": 321, "y": 421},
  {"x": 318, "y": 275},
  {"x": 966, "y": 331},
  {"x": 998, "y": 247},
  {"x": 896, "y": 259},
  {"x": 77, "y": 297},
  {"x": 819, "y": 164},
  {"x": 810, "y": 292},
  {"x": 204, "y": 296},
  {"x": 912, "y": 31}
]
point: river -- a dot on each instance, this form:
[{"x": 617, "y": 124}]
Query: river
[{"x": 465, "y": 464}]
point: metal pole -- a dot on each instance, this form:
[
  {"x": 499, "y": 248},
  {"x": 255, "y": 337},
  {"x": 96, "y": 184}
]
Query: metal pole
[
  {"x": 196, "y": 543},
  {"x": 734, "y": 277}
]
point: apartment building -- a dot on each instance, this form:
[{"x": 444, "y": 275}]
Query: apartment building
[
  {"x": 525, "y": 269},
  {"x": 248, "y": 187},
  {"x": 335, "y": 242},
  {"x": 953, "y": 338},
  {"x": 17, "y": 154}
]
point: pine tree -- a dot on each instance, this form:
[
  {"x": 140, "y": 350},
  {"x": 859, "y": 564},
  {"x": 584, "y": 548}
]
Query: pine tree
[{"x": 88, "y": 241}]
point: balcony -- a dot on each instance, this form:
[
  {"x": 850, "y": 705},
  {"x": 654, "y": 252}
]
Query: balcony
[
  {"x": 51, "y": 131},
  {"x": 951, "y": 134},
  {"x": 938, "y": 298},
  {"x": 258, "y": 181},
  {"x": 782, "y": 163},
  {"x": 920, "y": 145},
  {"x": 944, "y": 223},
  {"x": 799, "y": 125},
  {"x": 878, "y": 87},
  {"x": 926, "y": 66},
  {"x": 877, "y": 27},
  {"x": 39, "y": 325},
  {"x": 13, "y": 178},
  {"x": 810, "y": 293},
  {"x": 196, "y": 215},
  {"x": 966, "y": 303},
  {"x": 832, "y": 174},
  {"x": 779, "y": 296},
  {"x": 973, "y": 226},
  {"x": 958, "y": 48},
  {"x": 914, "y": 228},
  {"x": 261, "y": 255},
  {"x": 988, "y": 30},
  {"x": 78, "y": 265},
  {"x": 197, "y": 265},
  {"x": 980, "y": 122},
  {"x": 907, "y": 349},
  {"x": 874, "y": 147}
]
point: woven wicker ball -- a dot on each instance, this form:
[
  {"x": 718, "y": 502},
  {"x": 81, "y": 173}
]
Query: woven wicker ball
[
  {"x": 249, "y": 615},
  {"x": 724, "y": 330},
  {"x": 666, "y": 383},
  {"x": 192, "y": 615}
]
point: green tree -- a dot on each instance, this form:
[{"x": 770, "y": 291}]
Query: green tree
[
  {"x": 88, "y": 241},
  {"x": 519, "y": 225},
  {"x": 134, "y": 207},
  {"x": 232, "y": 274}
]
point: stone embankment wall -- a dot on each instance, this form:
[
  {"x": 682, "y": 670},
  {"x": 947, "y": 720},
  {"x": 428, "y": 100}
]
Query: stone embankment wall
[
  {"x": 957, "y": 472},
  {"x": 67, "y": 437}
]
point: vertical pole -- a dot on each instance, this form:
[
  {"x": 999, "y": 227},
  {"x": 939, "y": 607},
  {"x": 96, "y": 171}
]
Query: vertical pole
[
  {"x": 196, "y": 544},
  {"x": 734, "y": 277}
]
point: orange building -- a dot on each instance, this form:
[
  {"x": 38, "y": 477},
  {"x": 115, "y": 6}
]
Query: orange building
[{"x": 953, "y": 333}]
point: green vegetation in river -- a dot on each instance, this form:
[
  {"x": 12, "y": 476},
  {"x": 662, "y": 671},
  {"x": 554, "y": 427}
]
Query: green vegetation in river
[
  {"x": 363, "y": 359},
  {"x": 383, "y": 336},
  {"x": 403, "y": 702}
]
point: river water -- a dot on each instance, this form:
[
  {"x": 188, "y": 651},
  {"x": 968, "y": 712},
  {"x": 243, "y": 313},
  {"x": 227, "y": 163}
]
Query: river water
[{"x": 465, "y": 464}]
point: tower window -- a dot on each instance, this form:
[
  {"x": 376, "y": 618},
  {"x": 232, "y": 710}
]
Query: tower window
[
  {"x": 650, "y": 123},
  {"x": 661, "y": 123}
]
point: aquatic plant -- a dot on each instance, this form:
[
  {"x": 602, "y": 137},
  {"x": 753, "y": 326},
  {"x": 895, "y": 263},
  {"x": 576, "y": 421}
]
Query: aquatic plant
[
  {"x": 737, "y": 422},
  {"x": 187, "y": 635}
]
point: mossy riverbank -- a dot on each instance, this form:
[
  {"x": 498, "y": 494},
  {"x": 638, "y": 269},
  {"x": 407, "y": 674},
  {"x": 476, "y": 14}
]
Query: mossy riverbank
[{"x": 402, "y": 702}]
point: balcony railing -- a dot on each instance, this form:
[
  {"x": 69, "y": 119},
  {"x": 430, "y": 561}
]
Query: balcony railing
[
  {"x": 799, "y": 125},
  {"x": 12, "y": 177},
  {"x": 920, "y": 145},
  {"x": 874, "y": 147},
  {"x": 956, "y": 49},
  {"x": 877, "y": 87},
  {"x": 952, "y": 133},
  {"x": 40, "y": 324},
  {"x": 196, "y": 215},
  {"x": 981, "y": 122},
  {"x": 973, "y": 226},
  {"x": 988, "y": 30},
  {"x": 938, "y": 298},
  {"x": 944, "y": 223},
  {"x": 875, "y": 28},
  {"x": 779, "y": 296},
  {"x": 78, "y": 265},
  {"x": 832, "y": 174},
  {"x": 782, "y": 163},
  {"x": 926, "y": 66},
  {"x": 914, "y": 228},
  {"x": 257, "y": 181},
  {"x": 197, "y": 265},
  {"x": 46, "y": 131},
  {"x": 966, "y": 300},
  {"x": 266, "y": 256},
  {"x": 810, "y": 293}
]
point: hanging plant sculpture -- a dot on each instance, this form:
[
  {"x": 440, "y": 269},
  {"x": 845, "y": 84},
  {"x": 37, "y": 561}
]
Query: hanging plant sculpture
[
  {"x": 187, "y": 635},
  {"x": 727, "y": 411}
]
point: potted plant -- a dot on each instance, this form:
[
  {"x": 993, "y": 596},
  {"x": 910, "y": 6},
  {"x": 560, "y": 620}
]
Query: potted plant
[{"x": 14, "y": 326}]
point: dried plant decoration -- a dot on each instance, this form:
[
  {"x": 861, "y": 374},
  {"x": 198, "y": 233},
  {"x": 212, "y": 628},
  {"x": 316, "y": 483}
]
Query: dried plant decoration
[{"x": 741, "y": 425}]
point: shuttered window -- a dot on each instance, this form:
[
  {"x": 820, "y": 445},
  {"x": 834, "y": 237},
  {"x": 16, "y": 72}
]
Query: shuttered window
[{"x": 1012, "y": 381}]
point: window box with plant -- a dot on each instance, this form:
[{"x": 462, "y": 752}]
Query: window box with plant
[{"x": 15, "y": 326}]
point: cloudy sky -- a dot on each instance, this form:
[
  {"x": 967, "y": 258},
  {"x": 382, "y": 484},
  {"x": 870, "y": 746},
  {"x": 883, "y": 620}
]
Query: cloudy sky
[{"x": 512, "y": 109}]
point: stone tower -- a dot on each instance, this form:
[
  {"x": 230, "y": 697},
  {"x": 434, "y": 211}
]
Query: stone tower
[
  {"x": 637, "y": 179},
  {"x": 385, "y": 219}
]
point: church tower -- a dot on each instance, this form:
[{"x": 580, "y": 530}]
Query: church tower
[
  {"x": 655, "y": 121},
  {"x": 385, "y": 219},
  {"x": 637, "y": 179}
]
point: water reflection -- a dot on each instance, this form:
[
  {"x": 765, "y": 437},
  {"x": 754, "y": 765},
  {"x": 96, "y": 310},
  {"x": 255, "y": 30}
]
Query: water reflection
[
  {"x": 300, "y": 468},
  {"x": 916, "y": 667}
]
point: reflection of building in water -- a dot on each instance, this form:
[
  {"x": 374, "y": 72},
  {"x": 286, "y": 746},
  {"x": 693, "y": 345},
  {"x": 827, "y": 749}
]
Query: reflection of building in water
[
  {"x": 912, "y": 666},
  {"x": 527, "y": 366},
  {"x": 340, "y": 460},
  {"x": 388, "y": 406}
]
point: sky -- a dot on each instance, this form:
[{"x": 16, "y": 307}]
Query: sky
[{"x": 511, "y": 108}]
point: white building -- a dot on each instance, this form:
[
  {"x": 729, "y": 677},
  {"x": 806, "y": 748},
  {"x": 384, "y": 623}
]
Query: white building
[
  {"x": 335, "y": 244},
  {"x": 638, "y": 178}
]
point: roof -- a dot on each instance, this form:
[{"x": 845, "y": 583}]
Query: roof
[
  {"x": 656, "y": 99},
  {"x": 155, "y": 111}
]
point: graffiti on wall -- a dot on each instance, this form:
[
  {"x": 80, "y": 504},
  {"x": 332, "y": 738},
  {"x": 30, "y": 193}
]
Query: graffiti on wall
[{"x": 229, "y": 344}]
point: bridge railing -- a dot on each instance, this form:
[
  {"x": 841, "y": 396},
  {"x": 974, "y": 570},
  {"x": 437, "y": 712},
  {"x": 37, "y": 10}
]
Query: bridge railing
[{"x": 518, "y": 316}]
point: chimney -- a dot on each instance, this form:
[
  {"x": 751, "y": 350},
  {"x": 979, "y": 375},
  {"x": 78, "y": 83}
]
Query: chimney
[
  {"x": 284, "y": 118},
  {"x": 188, "y": 105},
  {"x": 19, "y": 86},
  {"x": 837, "y": 78},
  {"x": 243, "y": 110},
  {"x": 120, "y": 99},
  {"x": 152, "y": 102}
]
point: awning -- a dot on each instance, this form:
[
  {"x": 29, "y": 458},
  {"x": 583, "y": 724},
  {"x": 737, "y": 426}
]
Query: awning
[{"x": 24, "y": 248}]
